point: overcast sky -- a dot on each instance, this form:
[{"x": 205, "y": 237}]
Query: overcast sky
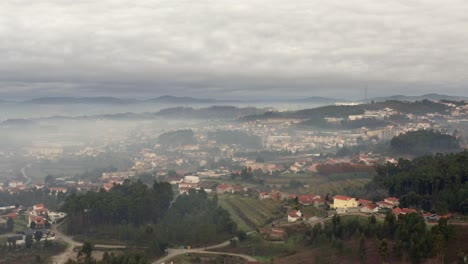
[{"x": 233, "y": 49}]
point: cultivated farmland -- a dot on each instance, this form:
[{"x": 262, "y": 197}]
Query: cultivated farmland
[{"x": 248, "y": 212}]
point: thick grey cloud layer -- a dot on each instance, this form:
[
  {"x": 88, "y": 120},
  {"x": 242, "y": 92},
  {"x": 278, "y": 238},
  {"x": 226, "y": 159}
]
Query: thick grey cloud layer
[{"x": 233, "y": 48}]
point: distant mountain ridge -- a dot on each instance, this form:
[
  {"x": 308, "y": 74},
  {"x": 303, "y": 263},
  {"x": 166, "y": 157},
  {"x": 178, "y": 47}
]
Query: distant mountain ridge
[
  {"x": 212, "y": 112},
  {"x": 166, "y": 99},
  {"x": 320, "y": 100},
  {"x": 179, "y": 100},
  {"x": 79, "y": 100},
  {"x": 432, "y": 97},
  {"x": 169, "y": 99}
]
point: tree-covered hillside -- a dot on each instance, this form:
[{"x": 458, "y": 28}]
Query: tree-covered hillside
[
  {"x": 130, "y": 203},
  {"x": 437, "y": 182},
  {"x": 423, "y": 142},
  {"x": 315, "y": 117},
  {"x": 147, "y": 216},
  {"x": 236, "y": 137},
  {"x": 177, "y": 138},
  {"x": 402, "y": 239}
]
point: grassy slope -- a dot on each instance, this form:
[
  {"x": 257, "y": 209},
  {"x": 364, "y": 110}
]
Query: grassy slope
[
  {"x": 248, "y": 212},
  {"x": 321, "y": 184}
]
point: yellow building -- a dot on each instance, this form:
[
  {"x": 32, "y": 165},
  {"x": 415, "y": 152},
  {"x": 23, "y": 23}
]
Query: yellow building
[{"x": 343, "y": 202}]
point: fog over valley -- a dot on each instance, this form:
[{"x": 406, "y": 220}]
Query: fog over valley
[{"x": 240, "y": 132}]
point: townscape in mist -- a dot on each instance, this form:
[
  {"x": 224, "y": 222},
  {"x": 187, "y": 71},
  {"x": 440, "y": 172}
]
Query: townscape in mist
[{"x": 248, "y": 132}]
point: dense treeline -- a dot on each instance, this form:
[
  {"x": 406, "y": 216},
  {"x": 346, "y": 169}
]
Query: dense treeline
[
  {"x": 147, "y": 216},
  {"x": 195, "y": 220},
  {"x": 423, "y": 142},
  {"x": 177, "y": 138},
  {"x": 408, "y": 234},
  {"x": 236, "y": 137},
  {"x": 51, "y": 200},
  {"x": 422, "y": 107},
  {"x": 457, "y": 103},
  {"x": 130, "y": 203},
  {"x": 437, "y": 182},
  {"x": 327, "y": 169}
]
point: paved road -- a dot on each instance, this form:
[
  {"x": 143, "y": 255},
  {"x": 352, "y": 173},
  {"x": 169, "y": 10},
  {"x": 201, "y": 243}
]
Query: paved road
[
  {"x": 23, "y": 171},
  {"x": 69, "y": 253},
  {"x": 173, "y": 252}
]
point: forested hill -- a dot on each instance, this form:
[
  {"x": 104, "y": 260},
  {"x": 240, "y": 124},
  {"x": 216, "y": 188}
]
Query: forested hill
[
  {"x": 148, "y": 216},
  {"x": 423, "y": 142},
  {"x": 437, "y": 182},
  {"x": 177, "y": 138},
  {"x": 216, "y": 112},
  {"x": 418, "y": 108}
]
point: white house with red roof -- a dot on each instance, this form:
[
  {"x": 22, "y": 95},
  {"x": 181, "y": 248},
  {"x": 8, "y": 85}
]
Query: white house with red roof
[
  {"x": 264, "y": 195},
  {"x": 294, "y": 215},
  {"x": 307, "y": 199},
  {"x": 383, "y": 204},
  {"x": 224, "y": 188},
  {"x": 369, "y": 208},
  {"x": 57, "y": 190},
  {"x": 38, "y": 220},
  {"x": 239, "y": 189},
  {"x": 319, "y": 202},
  {"x": 185, "y": 186},
  {"x": 38, "y": 206},
  {"x": 392, "y": 200},
  {"x": 399, "y": 211},
  {"x": 363, "y": 202},
  {"x": 15, "y": 184},
  {"x": 294, "y": 168}
]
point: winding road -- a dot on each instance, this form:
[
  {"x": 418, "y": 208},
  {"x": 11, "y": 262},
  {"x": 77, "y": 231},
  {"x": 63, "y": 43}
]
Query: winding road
[
  {"x": 69, "y": 253},
  {"x": 172, "y": 252},
  {"x": 23, "y": 172}
]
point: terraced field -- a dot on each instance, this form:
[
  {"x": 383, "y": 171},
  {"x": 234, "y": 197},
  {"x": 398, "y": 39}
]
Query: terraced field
[{"x": 248, "y": 212}]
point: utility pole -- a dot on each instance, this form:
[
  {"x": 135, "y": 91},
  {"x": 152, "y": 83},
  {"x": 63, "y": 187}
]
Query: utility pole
[{"x": 365, "y": 94}]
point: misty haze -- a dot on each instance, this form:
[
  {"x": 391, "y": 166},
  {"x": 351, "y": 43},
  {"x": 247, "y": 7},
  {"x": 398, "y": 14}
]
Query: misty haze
[{"x": 233, "y": 132}]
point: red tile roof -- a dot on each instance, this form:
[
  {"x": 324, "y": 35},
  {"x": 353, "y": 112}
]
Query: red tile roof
[
  {"x": 293, "y": 213},
  {"x": 342, "y": 197},
  {"x": 363, "y": 201},
  {"x": 398, "y": 211},
  {"x": 371, "y": 206},
  {"x": 224, "y": 186}
]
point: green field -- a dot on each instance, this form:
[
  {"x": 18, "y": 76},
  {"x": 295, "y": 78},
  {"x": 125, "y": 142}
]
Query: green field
[
  {"x": 320, "y": 184},
  {"x": 250, "y": 213},
  {"x": 21, "y": 223}
]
